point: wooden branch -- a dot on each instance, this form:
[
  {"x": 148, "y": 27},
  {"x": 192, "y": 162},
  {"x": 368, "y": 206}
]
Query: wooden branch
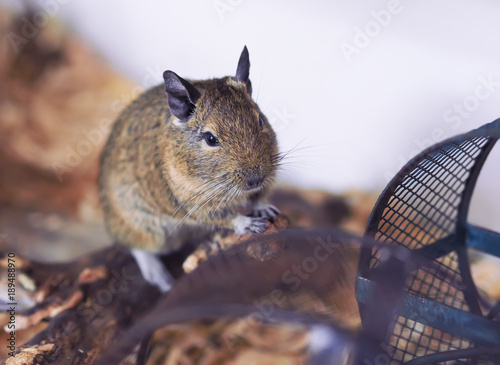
[
  {"x": 90, "y": 302},
  {"x": 87, "y": 303}
]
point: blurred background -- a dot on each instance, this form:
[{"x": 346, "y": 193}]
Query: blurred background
[{"x": 355, "y": 88}]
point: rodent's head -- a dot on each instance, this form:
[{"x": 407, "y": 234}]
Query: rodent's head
[{"x": 219, "y": 139}]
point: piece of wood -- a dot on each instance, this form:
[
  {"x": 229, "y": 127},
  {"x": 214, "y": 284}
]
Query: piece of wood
[
  {"x": 90, "y": 302},
  {"x": 87, "y": 303}
]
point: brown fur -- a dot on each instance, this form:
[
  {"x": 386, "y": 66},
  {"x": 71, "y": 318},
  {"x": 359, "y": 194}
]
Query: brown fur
[{"x": 157, "y": 173}]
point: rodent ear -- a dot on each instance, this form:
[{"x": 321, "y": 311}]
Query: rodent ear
[
  {"x": 182, "y": 95},
  {"x": 243, "y": 69}
]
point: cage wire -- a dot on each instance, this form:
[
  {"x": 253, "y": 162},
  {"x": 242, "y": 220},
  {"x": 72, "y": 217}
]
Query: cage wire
[{"x": 424, "y": 208}]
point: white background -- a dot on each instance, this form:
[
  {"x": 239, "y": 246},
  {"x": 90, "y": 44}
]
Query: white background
[{"x": 362, "y": 114}]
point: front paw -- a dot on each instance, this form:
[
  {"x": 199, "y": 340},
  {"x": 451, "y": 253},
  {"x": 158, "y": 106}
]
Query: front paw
[
  {"x": 250, "y": 225},
  {"x": 267, "y": 211}
]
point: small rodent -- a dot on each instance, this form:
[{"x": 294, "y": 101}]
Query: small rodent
[{"x": 181, "y": 162}]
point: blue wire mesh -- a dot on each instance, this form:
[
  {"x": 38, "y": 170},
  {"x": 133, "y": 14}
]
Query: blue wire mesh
[{"x": 425, "y": 204}]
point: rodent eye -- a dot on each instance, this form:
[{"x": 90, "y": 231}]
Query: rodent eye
[
  {"x": 261, "y": 122},
  {"x": 211, "y": 140}
]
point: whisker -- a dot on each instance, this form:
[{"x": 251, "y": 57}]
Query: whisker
[
  {"x": 230, "y": 195},
  {"x": 294, "y": 148},
  {"x": 196, "y": 195},
  {"x": 207, "y": 196},
  {"x": 217, "y": 197}
]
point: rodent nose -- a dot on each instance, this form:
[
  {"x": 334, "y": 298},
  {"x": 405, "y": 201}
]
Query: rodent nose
[{"x": 255, "y": 181}]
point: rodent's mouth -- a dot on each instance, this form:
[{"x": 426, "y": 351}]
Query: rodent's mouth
[{"x": 252, "y": 190}]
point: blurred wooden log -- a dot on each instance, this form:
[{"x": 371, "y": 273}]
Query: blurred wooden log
[
  {"x": 87, "y": 303},
  {"x": 58, "y": 100}
]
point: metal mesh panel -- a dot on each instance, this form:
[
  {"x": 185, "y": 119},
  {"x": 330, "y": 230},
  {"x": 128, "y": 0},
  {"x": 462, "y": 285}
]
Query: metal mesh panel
[
  {"x": 422, "y": 209},
  {"x": 411, "y": 338}
]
